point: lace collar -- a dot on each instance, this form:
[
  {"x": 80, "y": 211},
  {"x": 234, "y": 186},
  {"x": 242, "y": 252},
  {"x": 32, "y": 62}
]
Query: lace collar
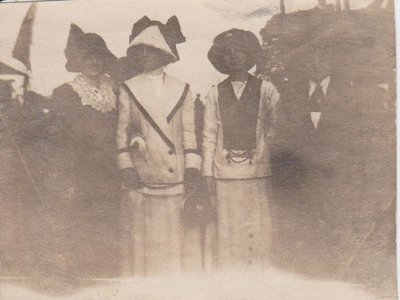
[{"x": 101, "y": 99}]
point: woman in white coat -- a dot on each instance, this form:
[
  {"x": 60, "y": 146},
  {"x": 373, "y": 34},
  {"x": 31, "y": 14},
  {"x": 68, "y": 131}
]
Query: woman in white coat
[
  {"x": 239, "y": 120},
  {"x": 156, "y": 114}
]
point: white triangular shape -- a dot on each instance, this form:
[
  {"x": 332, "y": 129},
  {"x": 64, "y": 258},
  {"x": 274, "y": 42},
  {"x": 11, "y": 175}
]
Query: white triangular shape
[
  {"x": 315, "y": 117},
  {"x": 152, "y": 36}
]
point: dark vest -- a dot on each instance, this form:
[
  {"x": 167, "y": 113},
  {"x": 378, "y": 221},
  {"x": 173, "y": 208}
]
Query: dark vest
[{"x": 239, "y": 117}]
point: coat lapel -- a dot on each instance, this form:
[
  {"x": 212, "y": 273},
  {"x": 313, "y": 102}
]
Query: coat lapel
[
  {"x": 326, "y": 84},
  {"x": 158, "y": 110},
  {"x": 174, "y": 95},
  {"x": 146, "y": 94}
]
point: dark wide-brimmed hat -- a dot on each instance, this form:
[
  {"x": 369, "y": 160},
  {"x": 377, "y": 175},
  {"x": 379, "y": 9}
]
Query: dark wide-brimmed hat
[
  {"x": 81, "y": 45},
  {"x": 243, "y": 40}
]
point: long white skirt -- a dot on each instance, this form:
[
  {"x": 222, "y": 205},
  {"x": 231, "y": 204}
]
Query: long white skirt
[
  {"x": 154, "y": 241},
  {"x": 243, "y": 224}
]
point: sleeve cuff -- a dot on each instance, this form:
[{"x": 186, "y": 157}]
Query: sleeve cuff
[
  {"x": 207, "y": 169},
  {"x": 192, "y": 160}
]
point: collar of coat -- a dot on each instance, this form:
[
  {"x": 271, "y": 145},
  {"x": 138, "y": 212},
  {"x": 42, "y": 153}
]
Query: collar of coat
[
  {"x": 324, "y": 83},
  {"x": 158, "y": 98}
]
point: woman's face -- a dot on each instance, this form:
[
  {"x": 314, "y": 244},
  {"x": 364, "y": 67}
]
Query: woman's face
[
  {"x": 151, "y": 59},
  {"x": 93, "y": 64},
  {"x": 235, "y": 60},
  {"x": 148, "y": 58}
]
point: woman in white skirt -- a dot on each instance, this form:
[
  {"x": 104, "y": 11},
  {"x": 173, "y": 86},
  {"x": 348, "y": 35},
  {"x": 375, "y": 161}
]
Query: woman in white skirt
[
  {"x": 158, "y": 155},
  {"x": 239, "y": 121}
]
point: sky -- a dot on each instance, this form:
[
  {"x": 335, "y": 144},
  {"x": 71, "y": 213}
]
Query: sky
[{"x": 201, "y": 21}]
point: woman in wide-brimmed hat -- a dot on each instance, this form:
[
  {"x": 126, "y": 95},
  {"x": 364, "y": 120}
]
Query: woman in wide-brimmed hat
[
  {"x": 79, "y": 178},
  {"x": 152, "y": 45},
  {"x": 239, "y": 120},
  {"x": 163, "y": 171},
  {"x": 234, "y": 39}
]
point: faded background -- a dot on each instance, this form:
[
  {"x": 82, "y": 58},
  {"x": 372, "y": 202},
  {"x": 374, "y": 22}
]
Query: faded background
[
  {"x": 326, "y": 239},
  {"x": 201, "y": 21}
]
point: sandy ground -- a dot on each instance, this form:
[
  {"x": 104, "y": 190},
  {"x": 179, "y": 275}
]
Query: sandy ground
[{"x": 273, "y": 284}]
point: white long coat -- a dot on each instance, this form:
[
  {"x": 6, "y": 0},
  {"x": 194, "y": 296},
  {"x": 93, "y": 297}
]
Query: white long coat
[
  {"x": 165, "y": 120},
  {"x": 158, "y": 109}
]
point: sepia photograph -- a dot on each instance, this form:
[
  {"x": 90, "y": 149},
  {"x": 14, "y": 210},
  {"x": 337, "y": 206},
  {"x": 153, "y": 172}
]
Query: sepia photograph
[{"x": 205, "y": 149}]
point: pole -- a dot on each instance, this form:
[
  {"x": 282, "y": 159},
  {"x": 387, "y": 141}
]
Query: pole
[
  {"x": 283, "y": 9},
  {"x": 346, "y": 4},
  {"x": 338, "y": 6},
  {"x": 20, "y": 156}
]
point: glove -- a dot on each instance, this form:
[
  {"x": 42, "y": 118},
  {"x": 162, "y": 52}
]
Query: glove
[
  {"x": 194, "y": 185},
  {"x": 191, "y": 176},
  {"x": 197, "y": 208},
  {"x": 130, "y": 178}
]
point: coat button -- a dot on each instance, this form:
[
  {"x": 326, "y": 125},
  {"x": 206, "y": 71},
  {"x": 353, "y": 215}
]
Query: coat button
[
  {"x": 171, "y": 151},
  {"x": 251, "y": 235},
  {"x": 171, "y": 170}
]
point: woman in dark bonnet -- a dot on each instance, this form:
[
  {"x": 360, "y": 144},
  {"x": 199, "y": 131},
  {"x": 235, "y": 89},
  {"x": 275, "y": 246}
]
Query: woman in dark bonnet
[{"x": 79, "y": 183}]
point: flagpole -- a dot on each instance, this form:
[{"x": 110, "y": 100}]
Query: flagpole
[
  {"x": 21, "y": 229},
  {"x": 21, "y": 52},
  {"x": 19, "y": 153}
]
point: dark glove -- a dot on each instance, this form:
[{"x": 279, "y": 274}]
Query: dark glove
[
  {"x": 195, "y": 186},
  {"x": 197, "y": 208},
  {"x": 130, "y": 178},
  {"x": 192, "y": 177}
]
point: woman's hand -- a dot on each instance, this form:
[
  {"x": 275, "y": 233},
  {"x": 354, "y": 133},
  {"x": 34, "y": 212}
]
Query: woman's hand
[
  {"x": 138, "y": 144},
  {"x": 198, "y": 208}
]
